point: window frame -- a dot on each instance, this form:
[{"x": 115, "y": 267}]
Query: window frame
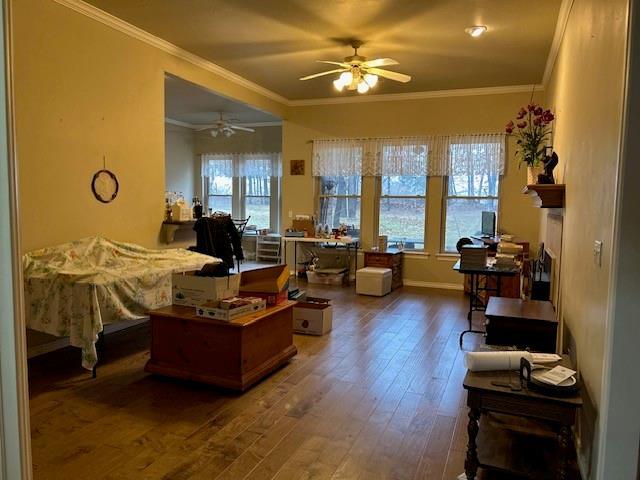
[
  {"x": 425, "y": 197},
  {"x": 238, "y": 198},
  {"x": 319, "y": 196},
  {"x": 446, "y": 197}
]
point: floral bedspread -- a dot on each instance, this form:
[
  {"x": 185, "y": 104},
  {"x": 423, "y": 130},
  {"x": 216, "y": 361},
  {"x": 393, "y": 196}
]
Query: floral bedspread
[{"x": 73, "y": 290}]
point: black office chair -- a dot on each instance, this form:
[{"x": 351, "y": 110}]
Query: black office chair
[{"x": 241, "y": 225}]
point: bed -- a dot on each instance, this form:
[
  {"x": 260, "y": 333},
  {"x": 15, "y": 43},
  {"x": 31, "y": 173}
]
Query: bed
[{"x": 73, "y": 290}]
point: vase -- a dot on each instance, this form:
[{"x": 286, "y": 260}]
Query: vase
[{"x": 532, "y": 174}]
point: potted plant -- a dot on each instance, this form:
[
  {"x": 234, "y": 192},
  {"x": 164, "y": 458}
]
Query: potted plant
[{"x": 532, "y": 130}]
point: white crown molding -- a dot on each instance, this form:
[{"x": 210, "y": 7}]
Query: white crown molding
[
  {"x": 146, "y": 37},
  {"x": 247, "y": 124},
  {"x": 171, "y": 121},
  {"x": 391, "y": 97},
  {"x": 561, "y": 26}
]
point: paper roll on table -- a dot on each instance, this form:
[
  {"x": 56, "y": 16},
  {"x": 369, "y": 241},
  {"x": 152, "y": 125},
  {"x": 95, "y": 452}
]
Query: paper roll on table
[{"x": 486, "y": 361}]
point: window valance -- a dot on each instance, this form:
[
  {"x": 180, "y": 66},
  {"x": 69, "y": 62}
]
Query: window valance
[
  {"x": 410, "y": 156},
  {"x": 242, "y": 164}
]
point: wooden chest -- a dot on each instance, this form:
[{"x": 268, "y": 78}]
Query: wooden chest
[
  {"x": 232, "y": 355},
  {"x": 389, "y": 259}
]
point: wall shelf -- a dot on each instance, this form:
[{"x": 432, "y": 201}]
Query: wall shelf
[
  {"x": 546, "y": 196},
  {"x": 169, "y": 229}
]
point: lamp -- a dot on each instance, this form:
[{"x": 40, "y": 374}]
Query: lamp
[
  {"x": 363, "y": 87},
  {"x": 371, "y": 79},
  {"x": 338, "y": 84},
  {"x": 476, "y": 30}
]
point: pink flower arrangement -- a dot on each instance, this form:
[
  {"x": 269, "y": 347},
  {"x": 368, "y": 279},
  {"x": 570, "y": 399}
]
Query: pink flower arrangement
[{"x": 532, "y": 130}]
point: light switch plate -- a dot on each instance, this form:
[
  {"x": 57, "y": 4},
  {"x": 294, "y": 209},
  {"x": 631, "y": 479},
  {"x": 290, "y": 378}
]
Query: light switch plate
[{"x": 597, "y": 252}]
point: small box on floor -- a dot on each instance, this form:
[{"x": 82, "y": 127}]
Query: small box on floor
[
  {"x": 313, "y": 316},
  {"x": 373, "y": 281},
  {"x": 190, "y": 290}
]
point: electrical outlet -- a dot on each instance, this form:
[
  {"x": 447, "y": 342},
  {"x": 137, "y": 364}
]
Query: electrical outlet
[{"x": 597, "y": 252}]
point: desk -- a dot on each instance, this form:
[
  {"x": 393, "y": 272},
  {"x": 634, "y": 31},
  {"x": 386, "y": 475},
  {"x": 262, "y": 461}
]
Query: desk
[
  {"x": 492, "y": 446},
  {"x": 349, "y": 244},
  {"x": 475, "y": 301},
  {"x": 524, "y": 323}
]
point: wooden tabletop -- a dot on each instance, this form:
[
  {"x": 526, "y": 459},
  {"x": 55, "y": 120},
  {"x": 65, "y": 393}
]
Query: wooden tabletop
[
  {"x": 482, "y": 381},
  {"x": 488, "y": 270},
  {"x": 524, "y": 309},
  {"x": 189, "y": 313}
]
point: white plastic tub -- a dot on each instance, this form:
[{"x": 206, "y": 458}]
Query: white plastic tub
[{"x": 325, "y": 278}]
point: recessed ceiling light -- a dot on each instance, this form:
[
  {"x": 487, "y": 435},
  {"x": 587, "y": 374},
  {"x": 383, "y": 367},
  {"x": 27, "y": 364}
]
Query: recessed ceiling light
[{"x": 476, "y": 30}]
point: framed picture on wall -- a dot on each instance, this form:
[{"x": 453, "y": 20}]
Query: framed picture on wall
[{"x": 297, "y": 167}]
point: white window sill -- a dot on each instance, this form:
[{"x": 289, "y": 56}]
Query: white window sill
[
  {"x": 417, "y": 253},
  {"x": 447, "y": 257}
]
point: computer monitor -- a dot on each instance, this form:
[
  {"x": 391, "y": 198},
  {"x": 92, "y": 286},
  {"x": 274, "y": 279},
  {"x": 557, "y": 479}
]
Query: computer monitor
[{"x": 488, "y": 224}]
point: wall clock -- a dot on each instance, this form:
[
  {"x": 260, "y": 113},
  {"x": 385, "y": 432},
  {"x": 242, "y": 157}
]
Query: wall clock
[{"x": 105, "y": 186}]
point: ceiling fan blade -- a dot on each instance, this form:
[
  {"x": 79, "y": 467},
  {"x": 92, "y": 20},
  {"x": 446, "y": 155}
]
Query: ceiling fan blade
[
  {"x": 379, "y": 62},
  {"x": 329, "y": 72},
  {"x": 244, "y": 129},
  {"x": 342, "y": 64},
  {"x": 204, "y": 127},
  {"x": 398, "y": 77}
]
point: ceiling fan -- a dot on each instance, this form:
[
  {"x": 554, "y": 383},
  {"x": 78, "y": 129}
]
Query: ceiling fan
[
  {"x": 358, "y": 73},
  {"x": 223, "y": 127}
]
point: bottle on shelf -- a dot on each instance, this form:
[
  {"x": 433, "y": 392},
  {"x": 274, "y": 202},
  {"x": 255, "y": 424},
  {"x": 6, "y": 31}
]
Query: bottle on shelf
[{"x": 197, "y": 208}]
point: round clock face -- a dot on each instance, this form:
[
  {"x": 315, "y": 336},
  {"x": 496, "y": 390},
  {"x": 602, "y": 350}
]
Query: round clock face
[{"x": 104, "y": 186}]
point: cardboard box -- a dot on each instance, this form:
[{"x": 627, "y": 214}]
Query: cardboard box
[
  {"x": 265, "y": 280},
  {"x": 270, "y": 298},
  {"x": 313, "y": 317},
  {"x": 212, "y": 310},
  {"x": 190, "y": 290},
  {"x": 304, "y": 226}
]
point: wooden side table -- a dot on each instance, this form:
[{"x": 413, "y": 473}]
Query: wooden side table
[
  {"x": 506, "y": 428},
  {"x": 232, "y": 355},
  {"x": 391, "y": 258}
]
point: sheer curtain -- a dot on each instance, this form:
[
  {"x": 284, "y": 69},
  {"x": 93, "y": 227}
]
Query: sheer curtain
[
  {"x": 439, "y": 155},
  {"x": 468, "y": 154},
  {"x": 267, "y": 164},
  {"x": 370, "y": 156}
]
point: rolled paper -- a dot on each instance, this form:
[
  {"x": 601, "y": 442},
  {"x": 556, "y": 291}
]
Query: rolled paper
[{"x": 486, "y": 361}]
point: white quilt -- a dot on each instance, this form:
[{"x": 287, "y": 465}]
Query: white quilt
[{"x": 73, "y": 290}]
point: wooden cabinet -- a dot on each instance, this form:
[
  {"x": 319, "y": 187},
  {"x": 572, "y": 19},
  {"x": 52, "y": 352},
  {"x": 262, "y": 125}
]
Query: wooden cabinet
[
  {"x": 233, "y": 354},
  {"x": 389, "y": 259}
]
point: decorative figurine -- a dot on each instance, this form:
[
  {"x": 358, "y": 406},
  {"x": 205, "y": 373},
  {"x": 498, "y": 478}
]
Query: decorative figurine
[{"x": 549, "y": 162}]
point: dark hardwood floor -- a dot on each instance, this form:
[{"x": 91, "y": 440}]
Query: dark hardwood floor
[{"x": 380, "y": 397}]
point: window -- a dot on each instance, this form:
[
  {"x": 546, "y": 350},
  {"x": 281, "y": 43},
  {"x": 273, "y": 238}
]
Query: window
[
  {"x": 469, "y": 190},
  {"x": 257, "y": 201},
  {"x": 403, "y": 209},
  {"x": 340, "y": 202},
  {"x": 244, "y": 185}
]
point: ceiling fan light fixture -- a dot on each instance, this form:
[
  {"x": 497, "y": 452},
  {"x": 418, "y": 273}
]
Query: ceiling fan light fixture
[
  {"x": 214, "y": 133},
  {"x": 346, "y": 78},
  {"x": 476, "y": 30},
  {"x": 371, "y": 79},
  {"x": 363, "y": 87}
]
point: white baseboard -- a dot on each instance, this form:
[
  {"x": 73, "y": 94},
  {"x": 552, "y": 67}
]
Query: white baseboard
[
  {"x": 441, "y": 285},
  {"x": 63, "y": 342}
]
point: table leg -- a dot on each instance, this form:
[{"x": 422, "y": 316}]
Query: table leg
[
  {"x": 295, "y": 258},
  {"x": 564, "y": 440},
  {"x": 471, "y": 462}
]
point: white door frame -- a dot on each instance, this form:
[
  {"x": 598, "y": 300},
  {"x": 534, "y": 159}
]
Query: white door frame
[
  {"x": 619, "y": 439},
  {"x": 15, "y": 441}
]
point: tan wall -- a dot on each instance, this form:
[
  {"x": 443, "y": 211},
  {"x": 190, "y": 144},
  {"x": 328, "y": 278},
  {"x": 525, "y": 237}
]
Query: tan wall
[
  {"x": 84, "y": 90},
  {"x": 472, "y": 114},
  {"x": 181, "y": 174},
  {"x": 586, "y": 91}
]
